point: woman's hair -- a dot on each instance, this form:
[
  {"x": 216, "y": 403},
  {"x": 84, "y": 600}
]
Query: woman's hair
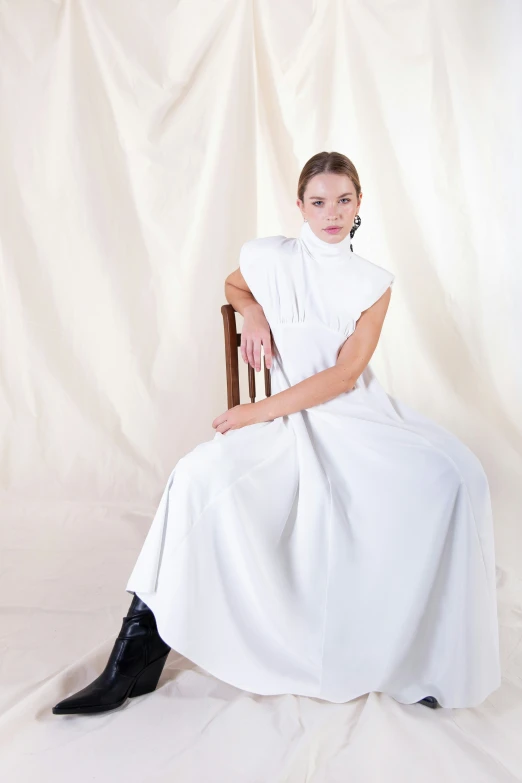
[{"x": 325, "y": 162}]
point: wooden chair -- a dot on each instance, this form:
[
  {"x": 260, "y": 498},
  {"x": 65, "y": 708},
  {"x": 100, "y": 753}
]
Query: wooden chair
[{"x": 232, "y": 346}]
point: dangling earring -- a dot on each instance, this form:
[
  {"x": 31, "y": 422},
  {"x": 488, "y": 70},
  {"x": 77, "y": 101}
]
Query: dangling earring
[
  {"x": 356, "y": 224},
  {"x": 305, "y": 220}
]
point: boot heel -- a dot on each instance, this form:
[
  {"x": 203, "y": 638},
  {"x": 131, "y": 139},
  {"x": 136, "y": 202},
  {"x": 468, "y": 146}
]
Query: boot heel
[{"x": 148, "y": 679}]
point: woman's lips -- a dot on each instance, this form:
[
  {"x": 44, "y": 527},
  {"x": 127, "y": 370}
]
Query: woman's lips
[{"x": 333, "y": 230}]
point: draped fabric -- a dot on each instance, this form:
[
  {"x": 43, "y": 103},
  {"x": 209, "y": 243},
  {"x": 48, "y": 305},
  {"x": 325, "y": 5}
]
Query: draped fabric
[{"x": 130, "y": 133}]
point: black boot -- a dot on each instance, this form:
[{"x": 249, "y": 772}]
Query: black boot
[
  {"x": 430, "y": 701},
  {"x": 133, "y": 669}
]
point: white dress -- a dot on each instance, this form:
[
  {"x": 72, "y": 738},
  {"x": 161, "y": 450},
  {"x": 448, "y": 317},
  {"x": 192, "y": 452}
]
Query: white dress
[{"x": 343, "y": 549}]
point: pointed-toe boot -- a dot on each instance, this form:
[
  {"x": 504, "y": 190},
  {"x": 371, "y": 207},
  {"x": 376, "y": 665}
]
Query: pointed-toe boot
[{"x": 133, "y": 669}]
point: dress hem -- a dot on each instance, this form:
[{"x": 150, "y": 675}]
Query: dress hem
[{"x": 259, "y": 692}]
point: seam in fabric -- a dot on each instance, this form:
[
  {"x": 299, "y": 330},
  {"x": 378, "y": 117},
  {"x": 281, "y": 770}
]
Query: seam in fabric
[
  {"x": 327, "y": 582},
  {"x": 311, "y": 324},
  {"x": 463, "y": 484},
  {"x": 221, "y": 491},
  {"x": 402, "y": 425},
  {"x": 478, "y": 538}
]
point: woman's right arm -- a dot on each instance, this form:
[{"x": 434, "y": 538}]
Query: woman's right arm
[{"x": 256, "y": 330}]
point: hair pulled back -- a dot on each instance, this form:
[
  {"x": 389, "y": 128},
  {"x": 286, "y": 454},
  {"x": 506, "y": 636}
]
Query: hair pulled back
[{"x": 326, "y": 162}]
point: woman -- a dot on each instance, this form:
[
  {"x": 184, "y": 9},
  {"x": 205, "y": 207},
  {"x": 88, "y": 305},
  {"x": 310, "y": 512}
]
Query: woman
[{"x": 329, "y": 541}]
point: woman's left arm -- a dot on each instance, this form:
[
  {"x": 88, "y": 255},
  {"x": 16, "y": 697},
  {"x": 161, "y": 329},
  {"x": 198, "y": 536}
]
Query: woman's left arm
[{"x": 352, "y": 359}]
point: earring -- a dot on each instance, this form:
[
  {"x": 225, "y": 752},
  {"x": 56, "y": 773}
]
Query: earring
[
  {"x": 305, "y": 220},
  {"x": 356, "y": 224}
]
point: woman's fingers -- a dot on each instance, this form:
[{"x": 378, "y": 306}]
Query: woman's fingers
[
  {"x": 257, "y": 354},
  {"x": 244, "y": 348},
  {"x": 251, "y": 350},
  {"x": 267, "y": 348}
]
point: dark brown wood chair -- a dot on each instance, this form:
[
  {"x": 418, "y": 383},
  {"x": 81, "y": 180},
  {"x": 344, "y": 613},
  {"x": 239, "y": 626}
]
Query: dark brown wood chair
[{"x": 232, "y": 347}]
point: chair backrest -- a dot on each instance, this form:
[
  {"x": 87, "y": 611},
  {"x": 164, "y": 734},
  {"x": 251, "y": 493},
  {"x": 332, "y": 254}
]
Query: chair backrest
[{"x": 232, "y": 346}]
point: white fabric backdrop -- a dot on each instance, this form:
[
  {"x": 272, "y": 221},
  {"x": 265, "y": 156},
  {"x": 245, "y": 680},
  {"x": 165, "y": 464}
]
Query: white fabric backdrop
[{"x": 136, "y": 137}]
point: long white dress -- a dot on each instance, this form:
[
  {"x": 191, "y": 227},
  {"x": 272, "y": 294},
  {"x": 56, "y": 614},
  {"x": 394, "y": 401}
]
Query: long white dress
[{"x": 343, "y": 549}]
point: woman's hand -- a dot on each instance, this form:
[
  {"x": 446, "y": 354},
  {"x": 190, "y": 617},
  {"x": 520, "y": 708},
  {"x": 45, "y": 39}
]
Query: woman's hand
[
  {"x": 237, "y": 417},
  {"x": 255, "y": 332}
]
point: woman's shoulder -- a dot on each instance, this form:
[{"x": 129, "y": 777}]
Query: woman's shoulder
[
  {"x": 260, "y": 262},
  {"x": 269, "y": 245},
  {"x": 370, "y": 281},
  {"x": 370, "y": 267}
]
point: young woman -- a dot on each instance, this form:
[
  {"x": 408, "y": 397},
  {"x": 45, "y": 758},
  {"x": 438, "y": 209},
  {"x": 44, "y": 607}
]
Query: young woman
[{"x": 329, "y": 541}]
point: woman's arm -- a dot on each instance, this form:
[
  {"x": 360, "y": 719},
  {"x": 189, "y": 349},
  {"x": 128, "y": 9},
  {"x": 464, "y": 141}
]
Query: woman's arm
[
  {"x": 256, "y": 330},
  {"x": 238, "y": 294},
  {"x": 352, "y": 359}
]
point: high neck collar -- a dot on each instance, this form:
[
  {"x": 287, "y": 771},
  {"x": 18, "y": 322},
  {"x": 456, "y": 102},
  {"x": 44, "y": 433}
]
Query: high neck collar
[{"x": 320, "y": 250}]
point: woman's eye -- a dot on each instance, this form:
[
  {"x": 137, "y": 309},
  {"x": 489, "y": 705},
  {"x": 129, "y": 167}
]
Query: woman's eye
[{"x": 344, "y": 200}]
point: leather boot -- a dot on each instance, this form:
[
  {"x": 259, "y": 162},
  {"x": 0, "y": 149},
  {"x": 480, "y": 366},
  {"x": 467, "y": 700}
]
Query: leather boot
[
  {"x": 430, "y": 701},
  {"x": 133, "y": 669}
]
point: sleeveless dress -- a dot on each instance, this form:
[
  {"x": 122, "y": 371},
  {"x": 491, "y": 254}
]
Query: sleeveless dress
[{"x": 343, "y": 549}]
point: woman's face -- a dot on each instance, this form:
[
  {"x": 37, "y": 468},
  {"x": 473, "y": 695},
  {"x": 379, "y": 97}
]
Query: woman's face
[{"x": 330, "y": 205}]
